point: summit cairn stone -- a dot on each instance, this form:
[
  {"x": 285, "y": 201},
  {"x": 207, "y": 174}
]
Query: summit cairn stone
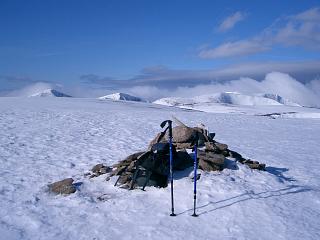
[{"x": 64, "y": 186}]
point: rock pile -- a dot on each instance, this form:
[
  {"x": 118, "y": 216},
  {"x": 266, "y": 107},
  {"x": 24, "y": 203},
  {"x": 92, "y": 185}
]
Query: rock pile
[
  {"x": 211, "y": 156},
  {"x": 151, "y": 167}
]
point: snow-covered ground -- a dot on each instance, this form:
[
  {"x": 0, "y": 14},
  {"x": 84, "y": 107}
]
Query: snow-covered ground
[{"x": 43, "y": 140}]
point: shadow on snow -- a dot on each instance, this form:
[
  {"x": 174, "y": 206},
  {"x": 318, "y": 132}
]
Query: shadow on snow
[{"x": 249, "y": 195}]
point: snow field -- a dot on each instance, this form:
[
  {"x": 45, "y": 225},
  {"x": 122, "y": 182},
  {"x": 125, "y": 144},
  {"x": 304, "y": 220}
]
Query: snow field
[{"x": 45, "y": 140}]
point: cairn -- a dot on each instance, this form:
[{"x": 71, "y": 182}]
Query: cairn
[
  {"x": 153, "y": 164},
  {"x": 211, "y": 155}
]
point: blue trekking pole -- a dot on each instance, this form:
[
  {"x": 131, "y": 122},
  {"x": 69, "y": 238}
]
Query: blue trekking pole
[
  {"x": 195, "y": 166},
  {"x": 171, "y": 160}
]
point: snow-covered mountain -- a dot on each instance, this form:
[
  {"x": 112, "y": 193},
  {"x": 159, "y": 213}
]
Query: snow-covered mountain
[
  {"x": 279, "y": 99},
  {"x": 232, "y": 98},
  {"x": 49, "y": 93},
  {"x": 122, "y": 97}
]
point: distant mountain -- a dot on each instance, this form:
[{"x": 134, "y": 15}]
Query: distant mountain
[
  {"x": 231, "y": 98},
  {"x": 279, "y": 99},
  {"x": 49, "y": 93},
  {"x": 122, "y": 97}
]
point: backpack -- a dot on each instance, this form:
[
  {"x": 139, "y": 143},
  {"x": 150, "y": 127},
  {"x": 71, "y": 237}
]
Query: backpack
[{"x": 153, "y": 166}]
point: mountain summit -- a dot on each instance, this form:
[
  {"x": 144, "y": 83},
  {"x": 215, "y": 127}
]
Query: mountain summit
[
  {"x": 49, "y": 93},
  {"x": 122, "y": 97}
]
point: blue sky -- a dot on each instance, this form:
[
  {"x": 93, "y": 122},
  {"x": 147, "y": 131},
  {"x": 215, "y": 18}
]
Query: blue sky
[{"x": 143, "y": 42}]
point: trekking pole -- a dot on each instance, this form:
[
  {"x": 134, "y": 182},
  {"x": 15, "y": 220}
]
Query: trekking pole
[
  {"x": 171, "y": 162},
  {"x": 195, "y": 166},
  {"x": 171, "y": 170}
]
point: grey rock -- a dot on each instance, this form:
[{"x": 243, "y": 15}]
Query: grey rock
[
  {"x": 183, "y": 145},
  {"x": 183, "y": 134},
  {"x": 105, "y": 170},
  {"x": 208, "y": 166},
  {"x": 217, "y": 159},
  {"x": 97, "y": 168},
  {"x": 210, "y": 147},
  {"x": 225, "y": 153},
  {"x": 183, "y": 137},
  {"x": 235, "y": 155},
  {"x": 156, "y": 140},
  {"x": 258, "y": 166},
  {"x": 221, "y": 146},
  {"x": 118, "y": 171},
  {"x": 125, "y": 178},
  {"x": 63, "y": 187}
]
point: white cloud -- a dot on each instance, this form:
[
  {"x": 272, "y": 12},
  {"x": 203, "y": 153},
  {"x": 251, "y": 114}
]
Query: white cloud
[
  {"x": 32, "y": 89},
  {"x": 231, "y": 21},
  {"x": 301, "y": 30},
  {"x": 304, "y": 70},
  {"x": 314, "y": 85},
  {"x": 249, "y": 78},
  {"x": 309, "y": 15},
  {"x": 230, "y": 49},
  {"x": 148, "y": 92},
  {"x": 161, "y": 77}
]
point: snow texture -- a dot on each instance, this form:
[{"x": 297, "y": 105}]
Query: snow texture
[{"x": 47, "y": 140}]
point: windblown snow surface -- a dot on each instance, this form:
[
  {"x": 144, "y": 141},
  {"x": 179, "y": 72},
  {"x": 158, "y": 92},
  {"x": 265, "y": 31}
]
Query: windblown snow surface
[{"x": 49, "y": 139}]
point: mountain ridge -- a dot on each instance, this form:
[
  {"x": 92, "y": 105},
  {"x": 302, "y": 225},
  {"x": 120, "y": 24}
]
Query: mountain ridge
[
  {"x": 229, "y": 98},
  {"x": 49, "y": 93},
  {"x": 119, "y": 96}
]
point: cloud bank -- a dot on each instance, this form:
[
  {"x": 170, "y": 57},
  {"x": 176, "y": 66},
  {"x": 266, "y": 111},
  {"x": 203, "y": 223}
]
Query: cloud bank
[
  {"x": 274, "y": 82},
  {"x": 306, "y": 94},
  {"x": 33, "y": 88},
  {"x": 163, "y": 77},
  {"x": 301, "y": 84}
]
